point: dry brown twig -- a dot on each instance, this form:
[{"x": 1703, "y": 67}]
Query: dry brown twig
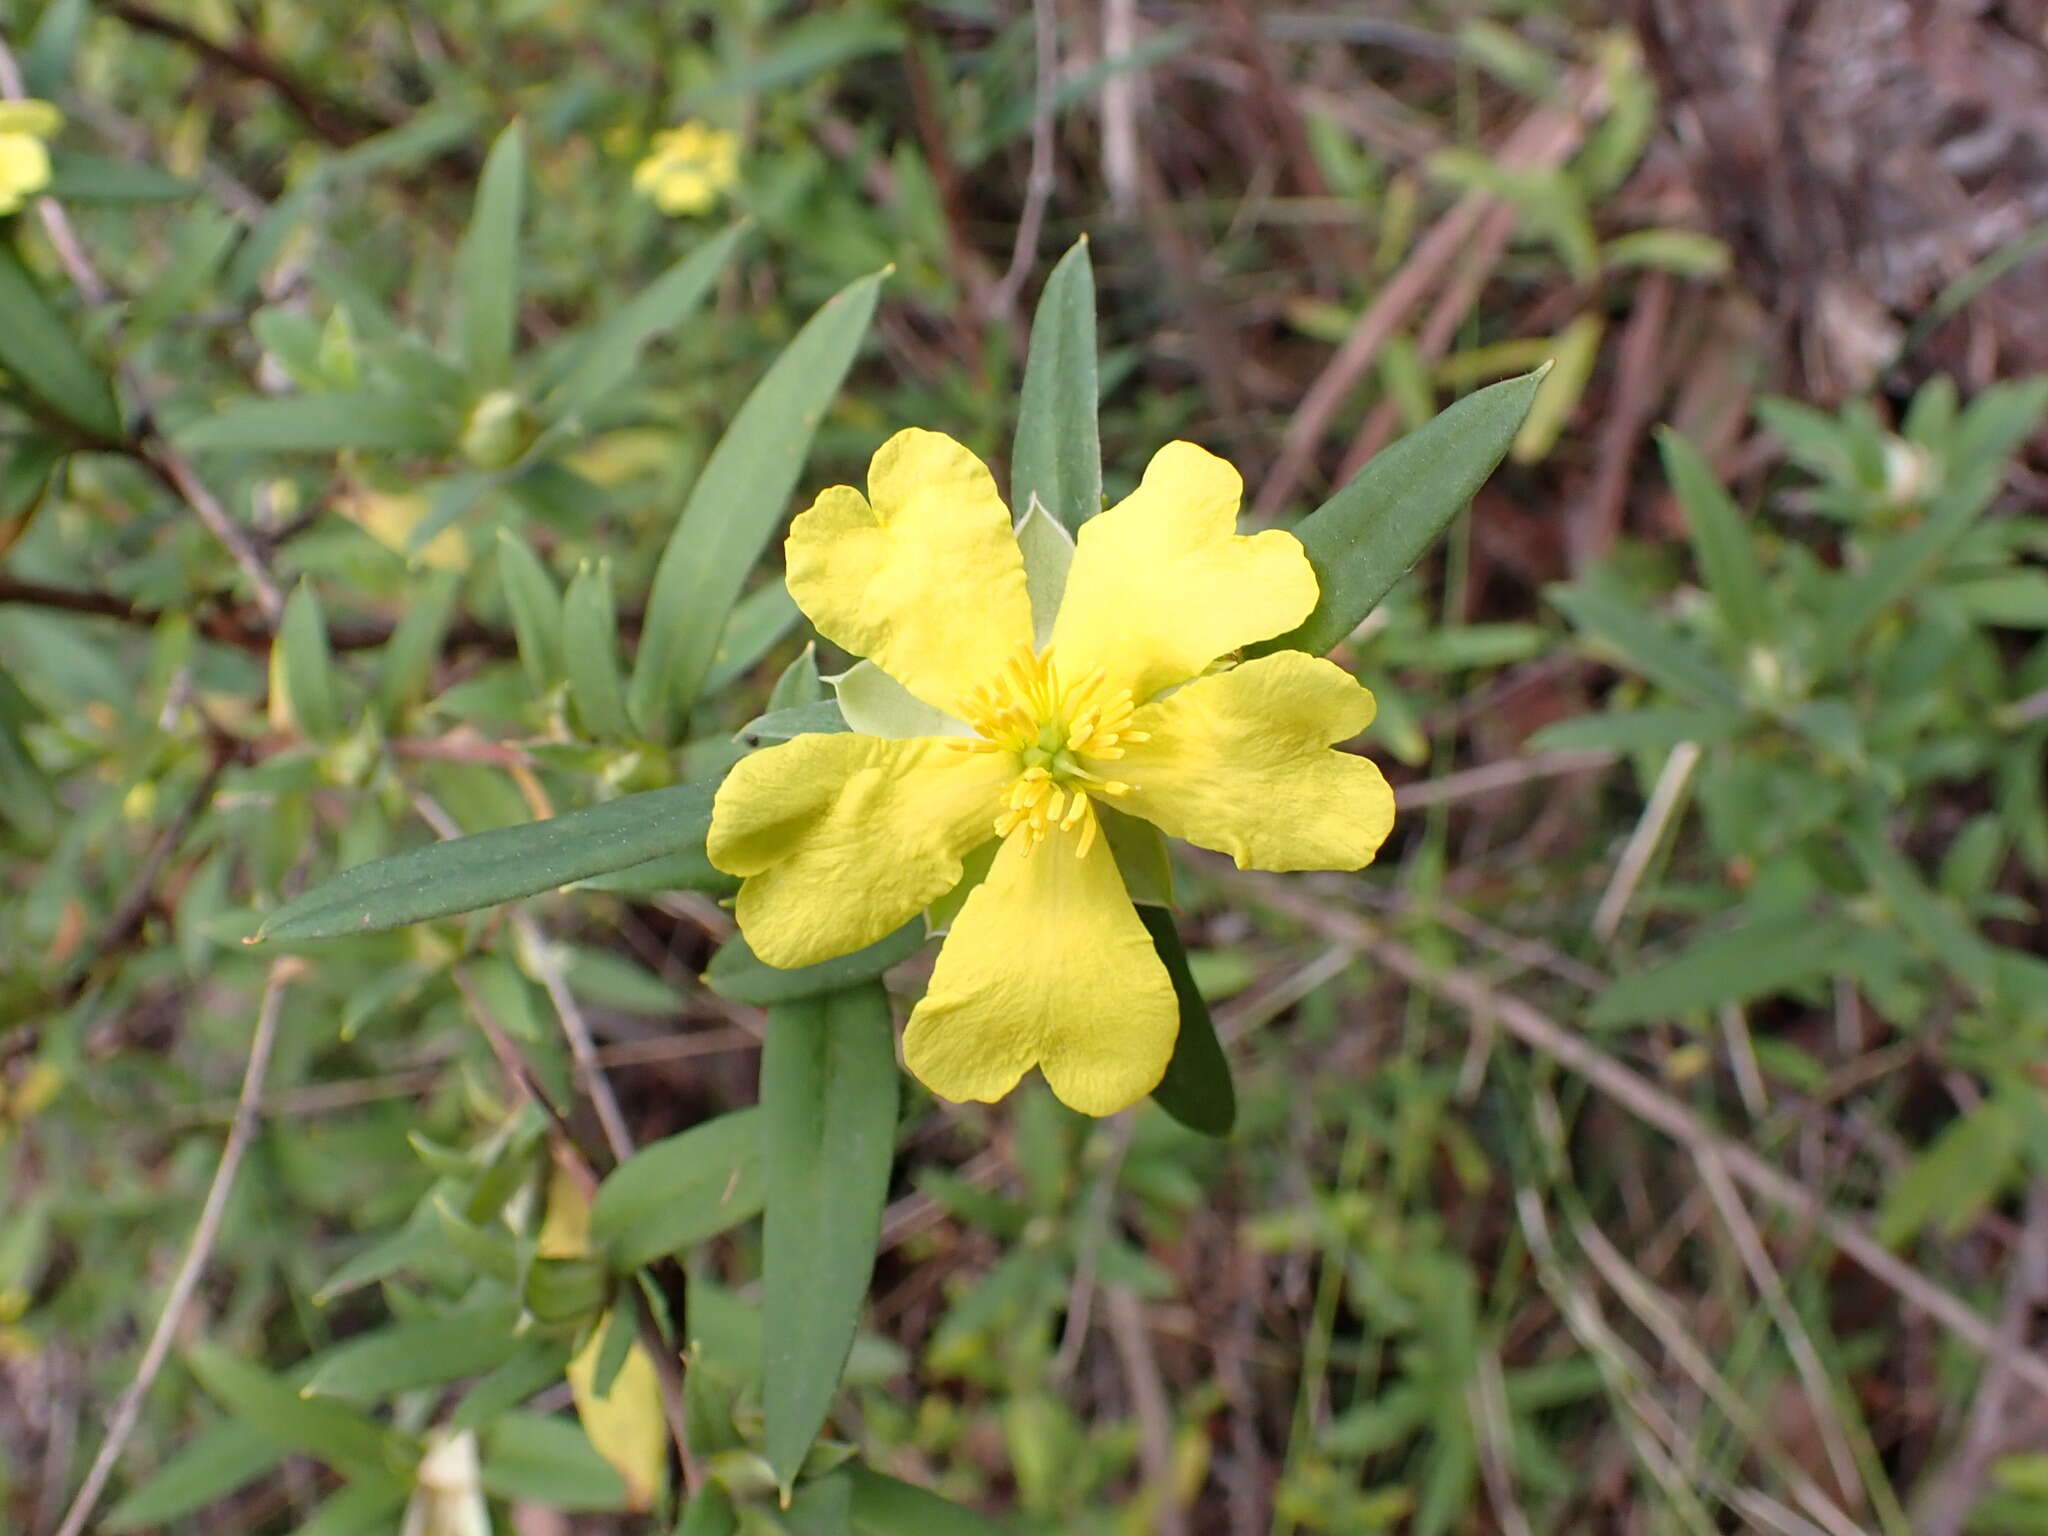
[
  {"x": 1655, "y": 1108},
  {"x": 248, "y": 1114}
]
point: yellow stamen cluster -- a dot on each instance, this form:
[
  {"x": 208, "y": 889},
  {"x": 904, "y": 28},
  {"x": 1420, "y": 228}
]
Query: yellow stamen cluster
[{"x": 1050, "y": 724}]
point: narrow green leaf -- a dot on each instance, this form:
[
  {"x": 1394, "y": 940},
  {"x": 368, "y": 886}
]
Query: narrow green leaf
[
  {"x": 735, "y": 972},
  {"x": 736, "y": 506},
  {"x": 807, "y": 47},
  {"x": 1196, "y": 1090},
  {"x": 1720, "y": 539},
  {"x": 1364, "y": 539},
  {"x": 337, "y": 1434},
  {"x": 506, "y": 863},
  {"x": 406, "y": 663},
  {"x": 760, "y": 619},
  {"x": 821, "y": 718},
  {"x": 319, "y": 424},
  {"x": 1057, "y": 455},
  {"x": 405, "y": 1356},
  {"x": 95, "y": 179},
  {"x": 1949, "y": 1184},
  {"x": 1641, "y": 643},
  {"x": 1934, "y": 923},
  {"x": 38, "y": 348},
  {"x": 52, "y": 45},
  {"x": 487, "y": 264},
  {"x": 875, "y": 704},
  {"x": 370, "y": 1507},
  {"x": 1898, "y": 566},
  {"x": 680, "y": 1190},
  {"x": 590, "y": 637},
  {"x": 536, "y": 605},
  {"x": 1754, "y": 960},
  {"x": 607, "y": 357},
  {"x": 883, "y": 1506},
  {"x": 708, "y": 1513},
  {"x": 221, "y": 1460},
  {"x": 546, "y": 1460},
  {"x": 1637, "y": 730},
  {"x": 306, "y": 666},
  {"x": 799, "y": 683},
  {"x": 828, "y": 1100},
  {"x": 1048, "y": 551}
]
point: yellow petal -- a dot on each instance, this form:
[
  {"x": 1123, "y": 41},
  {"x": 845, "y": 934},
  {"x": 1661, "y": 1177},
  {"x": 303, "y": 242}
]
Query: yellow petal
[
  {"x": 625, "y": 1426},
  {"x": 1241, "y": 762},
  {"x": 926, "y": 581},
  {"x": 844, "y": 838},
  {"x": 38, "y": 119},
  {"x": 1047, "y": 965},
  {"x": 24, "y": 168},
  {"x": 1162, "y": 584}
]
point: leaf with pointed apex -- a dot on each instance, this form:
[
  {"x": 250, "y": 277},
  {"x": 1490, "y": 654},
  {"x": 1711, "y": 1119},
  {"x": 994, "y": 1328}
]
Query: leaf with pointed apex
[
  {"x": 1057, "y": 452},
  {"x": 590, "y": 637},
  {"x": 487, "y": 264},
  {"x": 875, "y": 704},
  {"x": 828, "y": 1101},
  {"x": 1048, "y": 551},
  {"x": 736, "y": 505},
  {"x": 1364, "y": 539},
  {"x": 506, "y": 863},
  {"x": 680, "y": 1190},
  {"x": 38, "y": 347},
  {"x": 736, "y": 974},
  {"x": 1197, "y": 1089}
]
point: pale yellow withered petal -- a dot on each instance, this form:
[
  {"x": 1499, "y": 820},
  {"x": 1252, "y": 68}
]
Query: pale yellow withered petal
[
  {"x": 842, "y": 839},
  {"x": 1162, "y": 584},
  {"x": 1241, "y": 762},
  {"x": 1048, "y": 966},
  {"x": 625, "y": 1425},
  {"x": 925, "y": 580}
]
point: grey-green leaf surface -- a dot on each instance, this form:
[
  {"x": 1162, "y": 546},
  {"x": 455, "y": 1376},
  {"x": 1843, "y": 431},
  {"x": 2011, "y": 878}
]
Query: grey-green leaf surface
[
  {"x": 607, "y": 356},
  {"x": 96, "y": 179},
  {"x": 403, "y": 1356},
  {"x": 487, "y": 264},
  {"x": 590, "y": 638},
  {"x": 504, "y": 864},
  {"x": 680, "y": 1190},
  {"x": 885, "y": 1506},
  {"x": 1057, "y": 453},
  {"x": 1642, "y": 643},
  {"x": 828, "y": 1100},
  {"x": 319, "y": 424},
  {"x": 1197, "y": 1090},
  {"x": 334, "y": 1432},
  {"x": 536, "y": 605},
  {"x": 737, "y": 974},
  {"x": 307, "y": 665},
  {"x": 736, "y": 505},
  {"x": 1720, "y": 538},
  {"x": 38, "y": 348},
  {"x": 820, "y": 719},
  {"x": 215, "y": 1464},
  {"x": 1753, "y": 960},
  {"x": 1367, "y": 536}
]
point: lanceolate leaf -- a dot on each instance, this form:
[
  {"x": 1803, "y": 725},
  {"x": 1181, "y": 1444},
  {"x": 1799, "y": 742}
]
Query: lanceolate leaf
[
  {"x": 536, "y": 606},
  {"x": 320, "y": 424},
  {"x": 306, "y": 666},
  {"x": 1057, "y": 455},
  {"x": 1362, "y": 540},
  {"x": 93, "y": 179},
  {"x": 883, "y": 1506},
  {"x": 590, "y": 631},
  {"x": 1196, "y": 1090},
  {"x": 736, "y": 974},
  {"x": 736, "y": 506},
  {"x": 218, "y": 1462},
  {"x": 465, "y": 873},
  {"x": 1753, "y": 960},
  {"x": 1720, "y": 538},
  {"x": 487, "y": 266},
  {"x": 680, "y": 1190},
  {"x": 828, "y": 1101},
  {"x": 39, "y": 350},
  {"x": 337, "y": 1434},
  {"x": 607, "y": 355}
]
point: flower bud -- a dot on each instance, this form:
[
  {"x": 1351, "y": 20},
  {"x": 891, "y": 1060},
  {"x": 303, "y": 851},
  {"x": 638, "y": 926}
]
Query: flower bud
[{"x": 499, "y": 430}]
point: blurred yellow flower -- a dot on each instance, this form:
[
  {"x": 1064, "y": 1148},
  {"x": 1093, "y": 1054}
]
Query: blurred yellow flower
[
  {"x": 1023, "y": 739},
  {"x": 687, "y": 168},
  {"x": 24, "y": 162}
]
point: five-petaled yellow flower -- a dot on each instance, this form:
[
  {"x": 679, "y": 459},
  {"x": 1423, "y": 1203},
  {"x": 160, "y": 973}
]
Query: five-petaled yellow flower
[
  {"x": 840, "y": 839},
  {"x": 687, "y": 168},
  {"x": 24, "y": 162}
]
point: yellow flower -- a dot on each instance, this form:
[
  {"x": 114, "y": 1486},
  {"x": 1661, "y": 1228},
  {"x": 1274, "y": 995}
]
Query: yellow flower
[
  {"x": 687, "y": 168},
  {"x": 24, "y": 162},
  {"x": 1116, "y": 701}
]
